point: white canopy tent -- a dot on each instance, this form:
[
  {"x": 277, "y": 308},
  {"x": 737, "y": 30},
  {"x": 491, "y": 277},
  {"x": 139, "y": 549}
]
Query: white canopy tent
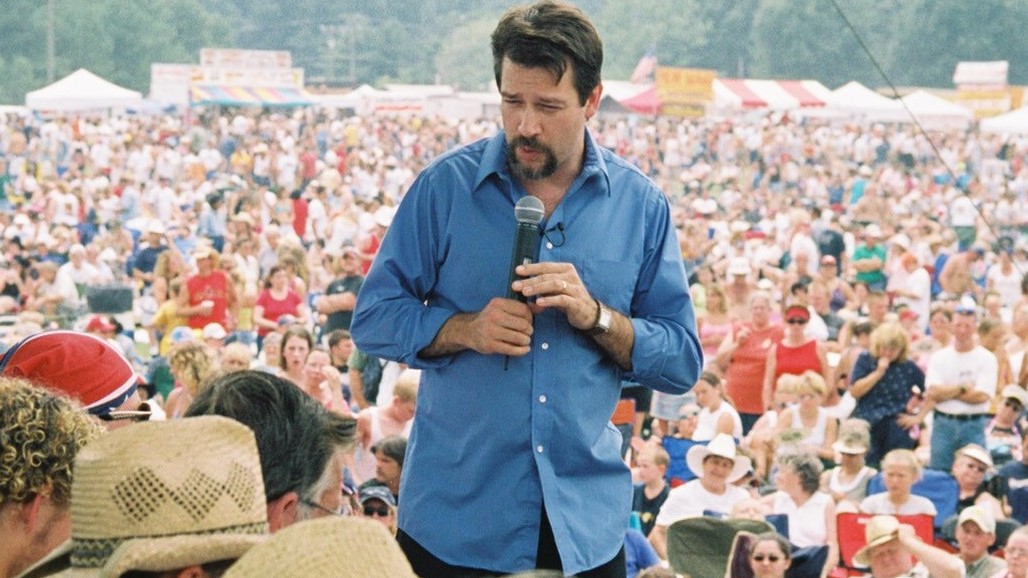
[
  {"x": 82, "y": 90},
  {"x": 858, "y": 101},
  {"x": 1013, "y": 122},
  {"x": 937, "y": 113}
]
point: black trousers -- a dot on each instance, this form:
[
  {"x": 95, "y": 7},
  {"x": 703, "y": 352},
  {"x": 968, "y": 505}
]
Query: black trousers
[{"x": 427, "y": 565}]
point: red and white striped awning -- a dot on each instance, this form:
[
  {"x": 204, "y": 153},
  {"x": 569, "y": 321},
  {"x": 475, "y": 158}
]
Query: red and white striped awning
[
  {"x": 770, "y": 94},
  {"x": 731, "y": 94}
]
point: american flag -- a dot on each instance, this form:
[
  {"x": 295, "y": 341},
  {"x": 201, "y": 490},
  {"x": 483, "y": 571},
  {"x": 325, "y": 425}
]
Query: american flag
[{"x": 644, "y": 70}]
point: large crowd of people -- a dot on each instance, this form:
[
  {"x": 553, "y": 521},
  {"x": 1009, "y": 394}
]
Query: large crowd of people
[{"x": 861, "y": 303}]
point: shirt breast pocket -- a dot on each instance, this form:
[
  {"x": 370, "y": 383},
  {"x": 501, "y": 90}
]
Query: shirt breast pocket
[{"x": 612, "y": 282}]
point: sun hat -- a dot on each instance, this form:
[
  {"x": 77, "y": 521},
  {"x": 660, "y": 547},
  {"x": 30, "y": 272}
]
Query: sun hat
[
  {"x": 203, "y": 251},
  {"x": 739, "y": 266},
  {"x": 976, "y": 452},
  {"x": 198, "y": 500},
  {"x": 214, "y": 330},
  {"x": 879, "y": 530},
  {"x": 156, "y": 227},
  {"x": 79, "y": 365},
  {"x": 980, "y": 516},
  {"x": 721, "y": 445},
  {"x": 796, "y": 311},
  {"x": 329, "y": 547},
  {"x": 853, "y": 442},
  {"x": 182, "y": 334},
  {"x": 1015, "y": 392}
]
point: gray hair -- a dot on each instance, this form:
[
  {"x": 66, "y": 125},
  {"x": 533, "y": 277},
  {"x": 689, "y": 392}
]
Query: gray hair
[{"x": 807, "y": 466}]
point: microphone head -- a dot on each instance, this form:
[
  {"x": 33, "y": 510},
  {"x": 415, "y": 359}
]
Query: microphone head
[{"x": 529, "y": 210}]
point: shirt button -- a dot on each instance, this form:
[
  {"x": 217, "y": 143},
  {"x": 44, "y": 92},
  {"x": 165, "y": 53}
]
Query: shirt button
[
  {"x": 549, "y": 245},
  {"x": 542, "y": 399},
  {"x": 539, "y": 449},
  {"x": 545, "y": 346}
]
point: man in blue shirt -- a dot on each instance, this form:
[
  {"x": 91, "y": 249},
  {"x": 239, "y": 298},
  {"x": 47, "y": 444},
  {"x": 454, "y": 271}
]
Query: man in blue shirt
[{"x": 513, "y": 463}]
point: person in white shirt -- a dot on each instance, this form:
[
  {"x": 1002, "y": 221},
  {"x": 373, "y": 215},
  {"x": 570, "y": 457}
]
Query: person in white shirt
[
  {"x": 718, "y": 466},
  {"x": 960, "y": 383}
]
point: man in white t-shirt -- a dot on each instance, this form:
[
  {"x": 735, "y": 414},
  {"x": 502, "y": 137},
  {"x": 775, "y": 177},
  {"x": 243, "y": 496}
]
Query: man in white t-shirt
[{"x": 960, "y": 382}]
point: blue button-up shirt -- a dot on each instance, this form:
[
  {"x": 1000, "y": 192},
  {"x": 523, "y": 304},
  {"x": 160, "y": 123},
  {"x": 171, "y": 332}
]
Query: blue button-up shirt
[{"x": 490, "y": 446}]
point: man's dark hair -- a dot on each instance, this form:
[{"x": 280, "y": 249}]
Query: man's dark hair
[
  {"x": 296, "y": 436},
  {"x": 336, "y": 336},
  {"x": 550, "y": 35}
]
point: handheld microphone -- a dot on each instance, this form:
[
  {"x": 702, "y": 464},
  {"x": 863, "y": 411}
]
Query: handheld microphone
[{"x": 529, "y": 213}]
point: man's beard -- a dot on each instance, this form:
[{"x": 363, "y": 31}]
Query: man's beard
[{"x": 521, "y": 171}]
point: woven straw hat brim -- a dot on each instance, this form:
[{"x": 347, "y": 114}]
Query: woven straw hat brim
[
  {"x": 329, "y": 547},
  {"x": 863, "y": 556},
  {"x": 154, "y": 555}
]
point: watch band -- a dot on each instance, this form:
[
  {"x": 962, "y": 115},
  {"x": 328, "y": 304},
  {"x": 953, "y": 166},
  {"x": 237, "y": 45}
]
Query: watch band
[{"x": 604, "y": 316}]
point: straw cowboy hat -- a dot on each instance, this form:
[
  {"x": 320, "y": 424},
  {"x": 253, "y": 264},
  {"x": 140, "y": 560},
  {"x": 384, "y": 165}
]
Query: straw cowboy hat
[
  {"x": 879, "y": 530},
  {"x": 160, "y": 496},
  {"x": 329, "y": 547},
  {"x": 722, "y": 445}
]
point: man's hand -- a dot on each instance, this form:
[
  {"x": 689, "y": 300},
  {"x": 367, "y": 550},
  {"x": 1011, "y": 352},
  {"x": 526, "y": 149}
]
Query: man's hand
[
  {"x": 558, "y": 285},
  {"x": 503, "y": 327}
]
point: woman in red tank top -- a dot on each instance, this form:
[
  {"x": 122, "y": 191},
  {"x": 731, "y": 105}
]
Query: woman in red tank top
[{"x": 795, "y": 353}]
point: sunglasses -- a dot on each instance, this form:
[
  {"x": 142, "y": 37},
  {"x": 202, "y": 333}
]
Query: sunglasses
[
  {"x": 1012, "y": 404},
  {"x": 381, "y": 511},
  {"x": 796, "y": 321},
  {"x": 770, "y": 558},
  {"x": 137, "y": 415}
]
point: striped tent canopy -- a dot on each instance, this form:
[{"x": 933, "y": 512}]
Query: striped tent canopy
[{"x": 228, "y": 95}]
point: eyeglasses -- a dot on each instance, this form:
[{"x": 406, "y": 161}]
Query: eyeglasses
[
  {"x": 1008, "y": 552},
  {"x": 979, "y": 467},
  {"x": 796, "y": 321},
  {"x": 381, "y": 511},
  {"x": 343, "y": 510},
  {"x": 770, "y": 558}
]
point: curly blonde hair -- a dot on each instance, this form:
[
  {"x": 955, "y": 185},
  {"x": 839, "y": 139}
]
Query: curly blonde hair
[
  {"x": 40, "y": 434},
  {"x": 194, "y": 363}
]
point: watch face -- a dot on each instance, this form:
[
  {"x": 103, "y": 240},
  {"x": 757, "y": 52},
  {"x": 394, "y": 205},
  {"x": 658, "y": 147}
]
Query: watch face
[{"x": 605, "y": 317}]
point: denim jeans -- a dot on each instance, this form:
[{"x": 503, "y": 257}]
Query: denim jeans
[{"x": 949, "y": 435}]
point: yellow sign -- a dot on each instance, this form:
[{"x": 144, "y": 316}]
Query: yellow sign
[
  {"x": 983, "y": 101},
  {"x": 685, "y": 84},
  {"x": 684, "y": 92}
]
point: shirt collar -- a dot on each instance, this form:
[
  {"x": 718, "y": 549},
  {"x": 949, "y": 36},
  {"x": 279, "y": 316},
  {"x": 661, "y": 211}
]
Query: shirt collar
[{"x": 494, "y": 161}]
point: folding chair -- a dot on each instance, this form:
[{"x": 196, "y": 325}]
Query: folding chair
[
  {"x": 700, "y": 547},
  {"x": 852, "y": 537},
  {"x": 938, "y": 486}
]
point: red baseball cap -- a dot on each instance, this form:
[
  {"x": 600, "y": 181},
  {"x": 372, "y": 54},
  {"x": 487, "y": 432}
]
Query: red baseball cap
[{"x": 79, "y": 365}]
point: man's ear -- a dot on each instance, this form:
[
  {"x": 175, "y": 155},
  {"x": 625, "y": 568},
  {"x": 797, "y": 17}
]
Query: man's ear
[
  {"x": 28, "y": 512},
  {"x": 282, "y": 511}
]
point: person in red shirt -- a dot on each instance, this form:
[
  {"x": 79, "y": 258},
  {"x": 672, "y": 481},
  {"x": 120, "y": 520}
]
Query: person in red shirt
[
  {"x": 209, "y": 296},
  {"x": 795, "y": 353},
  {"x": 743, "y": 357}
]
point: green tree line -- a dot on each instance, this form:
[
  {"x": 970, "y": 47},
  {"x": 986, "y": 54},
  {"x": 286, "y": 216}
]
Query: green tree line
[{"x": 352, "y": 42}]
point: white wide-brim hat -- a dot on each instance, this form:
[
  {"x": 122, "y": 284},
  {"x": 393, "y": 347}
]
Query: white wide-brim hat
[{"x": 724, "y": 446}]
